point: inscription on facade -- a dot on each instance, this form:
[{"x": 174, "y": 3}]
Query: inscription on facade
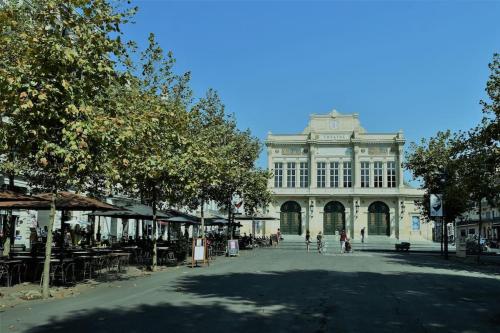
[{"x": 334, "y": 137}]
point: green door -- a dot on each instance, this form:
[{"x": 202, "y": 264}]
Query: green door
[
  {"x": 378, "y": 219},
  {"x": 333, "y": 218},
  {"x": 290, "y": 218}
]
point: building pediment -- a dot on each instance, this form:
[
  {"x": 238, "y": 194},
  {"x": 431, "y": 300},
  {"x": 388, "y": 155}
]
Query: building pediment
[{"x": 334, "y": 123}]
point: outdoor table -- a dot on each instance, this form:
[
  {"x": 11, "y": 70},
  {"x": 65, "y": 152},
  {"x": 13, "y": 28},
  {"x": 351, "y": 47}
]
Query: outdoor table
[
  {"x": 102, "y": 250},
  {"x": 20, "y": 253},
  {"x": 11, "y": 265}
]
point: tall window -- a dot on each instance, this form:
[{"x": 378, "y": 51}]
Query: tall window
[
  {"x": 347, "y": 174},
  {"x": 377, "y": 174},
  {"x": 290, "y": 174},
  {"x": 304, "y": 174},
  {"x": 334, "y": 174},
  {"x": 365, "y": 174},
  {"x": 321, "y": 170},
  {"x": 391, "y": 174},
  {"x": 278, "y": 174}
]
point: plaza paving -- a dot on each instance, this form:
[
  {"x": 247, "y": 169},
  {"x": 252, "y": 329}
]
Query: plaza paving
[{"x": 282, "y": 290}]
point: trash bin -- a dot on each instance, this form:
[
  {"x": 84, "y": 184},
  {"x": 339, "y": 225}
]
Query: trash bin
[{"x": 461, "y": 248}]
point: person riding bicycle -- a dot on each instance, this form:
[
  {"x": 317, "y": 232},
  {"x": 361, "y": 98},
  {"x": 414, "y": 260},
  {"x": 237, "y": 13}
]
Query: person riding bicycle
[{"x": 319, "y": 238}]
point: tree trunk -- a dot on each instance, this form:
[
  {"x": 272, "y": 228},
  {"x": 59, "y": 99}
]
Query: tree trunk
[
  {"x": 7, "y": 231},
  {"x": 202, "y": 220},
  {"x": 98, "y": 235},
  {"x": 480, "y": 225},
  {"x": 442, "y": 232},
  {"x": 91, "y": 240},
  {"x": 155, "y": 253},
  {"x": 137, "y": 221},
  {"x": 230, "y": 220},
  {"x": 48, "y": 247},
  {"x": 445, "y": 239},
  {"x": 203, "y": 229}
]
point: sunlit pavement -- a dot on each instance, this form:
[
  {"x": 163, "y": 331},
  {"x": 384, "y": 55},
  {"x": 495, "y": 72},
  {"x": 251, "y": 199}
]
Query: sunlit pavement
[{"x": 282, "y": 290}]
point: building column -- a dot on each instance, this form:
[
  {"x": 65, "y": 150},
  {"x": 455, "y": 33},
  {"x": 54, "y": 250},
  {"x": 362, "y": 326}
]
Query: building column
[
  {"x": 312, "y": 166},
  {"x": 354, "y": 218},
  {"x": 270, "y": 166},
  {"x": 356, "y": 174},
  {"x": 399, "y": 217},
  {"x": 400, "y": 166},
  {"x": 311, "y": 212},
  {"x": 297, "y": 174},
  {"x": 384, "y": 174}
]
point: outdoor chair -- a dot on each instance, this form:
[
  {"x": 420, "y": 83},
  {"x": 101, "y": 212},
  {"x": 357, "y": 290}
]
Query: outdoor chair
[
  {"x": 4, "y": 274},
  {"x": 69, "y": 273},
  {"x": 123, "y": 262},
  {"x": 113, "y": 263},
  {"x": 98, "y": 263},
  {"x": 83, "y": 268},
  {"x": 170, "y": 258},
  {"x": 19, "y": 272}
]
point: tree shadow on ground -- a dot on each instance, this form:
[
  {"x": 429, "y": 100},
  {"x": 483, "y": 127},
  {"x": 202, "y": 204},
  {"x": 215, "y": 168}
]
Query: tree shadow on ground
[{"x": 303, "y": 301}]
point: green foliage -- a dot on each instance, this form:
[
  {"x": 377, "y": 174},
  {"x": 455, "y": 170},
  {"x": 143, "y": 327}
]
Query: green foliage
[
  {"x": 255, "y": 192},
  {"x": 489, "y": 131},
  {"x": 469, "y": 160},
  {"x": 53, "y": 84},
  {"x": 434, "y": 162}
]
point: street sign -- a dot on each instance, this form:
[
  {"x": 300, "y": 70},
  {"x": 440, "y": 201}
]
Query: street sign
[
  {"x": 233, "y": 248},
  {"x": 436, "y": 205}
]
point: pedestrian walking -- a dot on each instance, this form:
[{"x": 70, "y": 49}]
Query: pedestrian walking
[
  {"x": 308, "y": 239},
  {"x": 319, "y": 238},
  {"x": 363, "y": 235},
  {"x": 343, "y": 238},
  {"x": 278, "y": 236}
]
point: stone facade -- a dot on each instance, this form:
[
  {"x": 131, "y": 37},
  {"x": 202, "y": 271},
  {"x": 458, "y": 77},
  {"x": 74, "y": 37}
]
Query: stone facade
[{"x": 342, "y": 177}]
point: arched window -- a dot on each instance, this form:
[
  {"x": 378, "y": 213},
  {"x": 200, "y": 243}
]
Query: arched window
[
  {"x": 333, "y": 218},
  {"x": 290, "y": 218},
  {"x": 379, "y": 219}
]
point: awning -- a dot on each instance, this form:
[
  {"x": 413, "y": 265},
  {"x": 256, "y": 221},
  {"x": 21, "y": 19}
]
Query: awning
[
  {"x": 64, "y": 201},
  {"x": 133, "y": 211},
  {"x": 182, "y": 219},
  {"x": 15, "y": 196}
]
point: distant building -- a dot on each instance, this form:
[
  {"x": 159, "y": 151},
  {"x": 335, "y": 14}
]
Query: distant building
[
  {"x": 468, "y": 224},
  {"x": 334, "y": 175}
]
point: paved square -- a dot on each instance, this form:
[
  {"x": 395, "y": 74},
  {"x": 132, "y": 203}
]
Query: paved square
[{"x": 281, "y": 290}]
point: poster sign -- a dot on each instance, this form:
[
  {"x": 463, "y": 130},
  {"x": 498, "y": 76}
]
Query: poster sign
[
  {"x": 199, "y": 252},
  {"x": 233, "y": 247},
  {"x": 436, "y": 205},
  {"x": 415, "y": 223}
]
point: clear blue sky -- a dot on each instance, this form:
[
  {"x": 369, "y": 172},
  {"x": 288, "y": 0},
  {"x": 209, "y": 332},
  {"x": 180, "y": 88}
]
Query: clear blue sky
[{"x": 420, "y": 66}]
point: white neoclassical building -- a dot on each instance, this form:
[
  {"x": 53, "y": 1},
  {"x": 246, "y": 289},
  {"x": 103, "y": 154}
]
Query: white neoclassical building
[{"x": 334, "y": 175}]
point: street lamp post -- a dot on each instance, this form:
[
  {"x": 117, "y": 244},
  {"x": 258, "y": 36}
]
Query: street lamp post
[{"x": 443, "y": 178}]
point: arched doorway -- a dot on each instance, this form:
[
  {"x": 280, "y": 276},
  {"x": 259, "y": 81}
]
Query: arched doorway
[
  {"x": 290, "y": 218},
  {"x": 333, "y": 218},
  {"x": 378, "y": 219}
]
